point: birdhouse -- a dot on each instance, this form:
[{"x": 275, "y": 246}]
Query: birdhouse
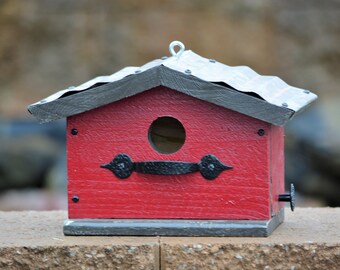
[{"x": 183, "y": 145}]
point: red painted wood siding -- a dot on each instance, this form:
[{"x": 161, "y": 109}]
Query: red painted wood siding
[
  {"x": 277, "y": 167},
  {"x": 122, "y": 127}
]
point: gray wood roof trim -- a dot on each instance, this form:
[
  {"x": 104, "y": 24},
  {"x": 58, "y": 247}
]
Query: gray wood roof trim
[
  {"x": 242, "y": 78},
  {"x": 85, "y": 100}
]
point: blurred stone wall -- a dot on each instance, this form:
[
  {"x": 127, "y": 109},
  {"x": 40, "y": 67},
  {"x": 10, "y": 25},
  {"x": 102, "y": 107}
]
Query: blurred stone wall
[
  {"x": 308, "y": 34},
  {"x": 46, "y": 45},
  {"x": 49, "y": 45}
]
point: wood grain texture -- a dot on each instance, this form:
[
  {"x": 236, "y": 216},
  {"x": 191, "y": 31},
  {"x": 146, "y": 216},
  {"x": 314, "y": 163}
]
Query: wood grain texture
[
  {"x": 171, "y": 227},
  {"x": 137, "y": 83},
  {"x": 277, "y": 167},
  {"x": 122, "y": 127}
]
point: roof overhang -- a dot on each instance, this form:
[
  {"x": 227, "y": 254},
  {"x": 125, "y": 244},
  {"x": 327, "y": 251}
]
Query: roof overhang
[{"x": 240, "y": 89}]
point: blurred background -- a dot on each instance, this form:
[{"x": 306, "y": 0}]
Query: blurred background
[{"x": 49, "y": 45}]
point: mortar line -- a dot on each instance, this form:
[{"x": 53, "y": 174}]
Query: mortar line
[{"x": 159, "y": 253}]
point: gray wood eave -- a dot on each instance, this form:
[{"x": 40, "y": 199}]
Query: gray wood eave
[
  {"x": 160, "y": 76},
  {"x": 172, "y": 227}
]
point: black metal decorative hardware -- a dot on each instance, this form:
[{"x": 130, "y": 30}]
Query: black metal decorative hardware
[
  {"x": 165, "y": 167},
  {"x": 74, "y": 131},
  {"x": 75, "y": 199},
  {"x": 261, "y": 132},
  {"x": 122, "y": 166},
  {"x": 289, "y": 197},
  {"x": 210, "y": 167}
]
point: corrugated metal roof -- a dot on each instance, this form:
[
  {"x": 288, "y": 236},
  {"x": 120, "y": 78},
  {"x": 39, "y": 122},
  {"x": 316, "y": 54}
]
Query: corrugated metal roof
[
  {"x": 240, "y": 88},
  {"x": 241, "y": 78}
]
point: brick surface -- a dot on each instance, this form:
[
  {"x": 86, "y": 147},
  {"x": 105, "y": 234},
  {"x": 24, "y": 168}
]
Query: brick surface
[
  {"x": 308, "y": 239},
  {"x": 34, "y": 240}
]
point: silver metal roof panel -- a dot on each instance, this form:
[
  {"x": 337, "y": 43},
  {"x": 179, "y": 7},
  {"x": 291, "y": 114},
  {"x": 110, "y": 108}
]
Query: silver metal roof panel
[{"x": 241, "y": 78}]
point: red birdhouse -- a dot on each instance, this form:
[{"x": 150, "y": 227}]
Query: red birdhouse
[{"x": 183, "y": 145}]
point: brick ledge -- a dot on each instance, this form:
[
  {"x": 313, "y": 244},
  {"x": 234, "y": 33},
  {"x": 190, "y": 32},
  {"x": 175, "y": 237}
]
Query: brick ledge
[{"x": 308, "y": 239}]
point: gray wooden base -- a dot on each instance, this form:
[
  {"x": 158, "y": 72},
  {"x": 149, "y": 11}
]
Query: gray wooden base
[{"x": 172, "y": 227}]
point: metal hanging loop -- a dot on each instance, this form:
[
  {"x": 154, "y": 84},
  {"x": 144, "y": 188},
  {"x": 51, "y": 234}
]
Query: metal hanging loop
[{"x": 174, "y": 44}]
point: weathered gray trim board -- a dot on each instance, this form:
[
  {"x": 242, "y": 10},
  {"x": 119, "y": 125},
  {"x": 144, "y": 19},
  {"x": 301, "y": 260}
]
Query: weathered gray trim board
[
  {"x": 168, "y": 227},
  {"x": 161, "y": 75}
]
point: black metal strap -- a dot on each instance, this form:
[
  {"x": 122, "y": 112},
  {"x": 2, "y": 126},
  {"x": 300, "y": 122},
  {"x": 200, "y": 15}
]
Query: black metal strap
[
  {"x": 165, "y": 167},
  {"x": 122, "y": 166}
]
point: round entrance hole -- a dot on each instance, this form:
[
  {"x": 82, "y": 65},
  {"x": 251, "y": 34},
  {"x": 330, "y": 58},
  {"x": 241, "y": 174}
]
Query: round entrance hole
[{"x": 166, "y": 135}]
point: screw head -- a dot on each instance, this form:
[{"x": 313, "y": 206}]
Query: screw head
[
  {"x": 188, "y": 71},
  {"x": 138, "y": 71},
  {"x": 211, "y": 167},
  {"x": 261, "y": 132},
  {"x": 164, "y": 57},
  {"x": 284, "y": 104},
  {"x": 74, "y": 131},
  {"x": 212, "y": 60},
  {"x": 75, "y": 199},
  {"x": 306, "y": 91}
]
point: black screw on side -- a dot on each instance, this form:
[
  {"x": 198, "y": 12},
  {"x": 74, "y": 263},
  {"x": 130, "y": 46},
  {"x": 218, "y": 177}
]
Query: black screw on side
[
  {"x": 289, "y": 197},
  {"x": 261, "y": 132},
  {"x": 74, "y": 131},
  {"x": 284, "y": 197},
  {"x": 75, "y": 199}
]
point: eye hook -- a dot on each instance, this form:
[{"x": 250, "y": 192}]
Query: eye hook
[{"x": 174, "y": 44}]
